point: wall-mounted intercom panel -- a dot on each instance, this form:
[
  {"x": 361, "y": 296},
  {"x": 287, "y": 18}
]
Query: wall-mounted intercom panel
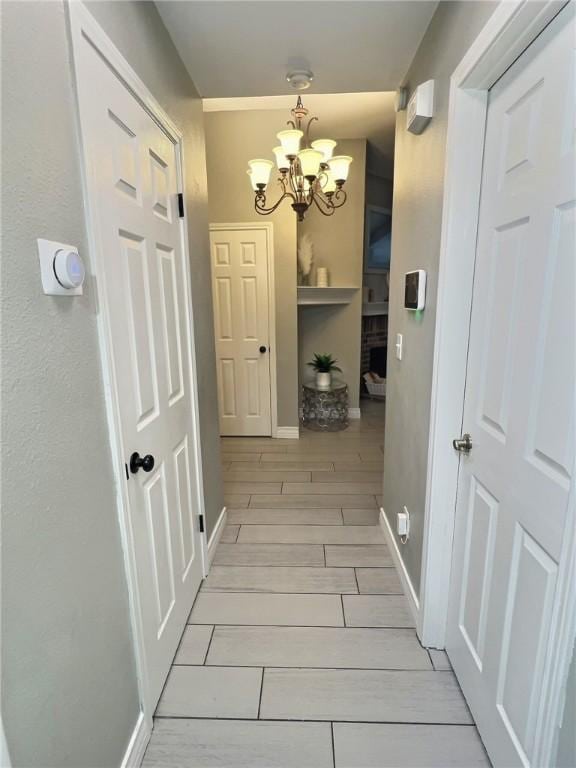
[{"x": 415, "y": 289}]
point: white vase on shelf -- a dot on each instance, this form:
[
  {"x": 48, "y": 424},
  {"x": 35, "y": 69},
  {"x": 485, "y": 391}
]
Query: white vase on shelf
[
  {"x": 322, "y": 277},
  {"x": 323, "y": 380}
]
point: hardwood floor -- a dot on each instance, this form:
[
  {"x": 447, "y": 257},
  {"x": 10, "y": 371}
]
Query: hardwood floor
[{"x": 300, "y": 651}]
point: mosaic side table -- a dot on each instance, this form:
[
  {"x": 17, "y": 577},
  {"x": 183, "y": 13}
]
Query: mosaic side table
[{"x": 325, "y": 410}]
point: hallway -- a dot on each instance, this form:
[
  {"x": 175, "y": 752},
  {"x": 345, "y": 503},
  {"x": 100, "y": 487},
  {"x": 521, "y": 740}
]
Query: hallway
[{"x": 300, "y": 649}]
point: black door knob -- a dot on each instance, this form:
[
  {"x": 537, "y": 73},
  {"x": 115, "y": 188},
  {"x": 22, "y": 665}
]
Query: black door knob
[
  {"x": 262, "y": 349},
  {"x": 141, "y": 462}
]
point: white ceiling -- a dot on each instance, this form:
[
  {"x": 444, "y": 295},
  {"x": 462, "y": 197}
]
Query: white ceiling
[
  {"x": 246, "y": 47},
  {"x": 368, "y": 116}
]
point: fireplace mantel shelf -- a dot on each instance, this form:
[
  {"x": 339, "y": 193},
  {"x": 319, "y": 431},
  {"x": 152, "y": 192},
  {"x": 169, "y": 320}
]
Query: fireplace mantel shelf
[{"x": 312, "y": 295}]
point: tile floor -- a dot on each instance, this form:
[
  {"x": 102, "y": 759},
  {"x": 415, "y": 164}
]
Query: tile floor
[{"x": 300, "y": 651}]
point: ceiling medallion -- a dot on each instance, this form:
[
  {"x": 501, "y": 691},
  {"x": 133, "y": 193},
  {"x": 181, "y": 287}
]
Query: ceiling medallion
[{"x": 307, "y": 176}]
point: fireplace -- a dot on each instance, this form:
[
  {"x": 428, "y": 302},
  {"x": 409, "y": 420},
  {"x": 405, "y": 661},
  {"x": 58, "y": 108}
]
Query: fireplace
[
  {"x": 374, "y": 346},
  {"x": 378, "y": 360}
]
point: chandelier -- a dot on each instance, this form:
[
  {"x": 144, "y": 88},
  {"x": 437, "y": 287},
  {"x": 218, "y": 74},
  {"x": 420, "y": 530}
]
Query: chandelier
[{"x": 307, "y": 176}]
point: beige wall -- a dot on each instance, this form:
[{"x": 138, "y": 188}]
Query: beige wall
[
  {"x": 233, "y": 138},
  {"x": 417, "y": 212},
  {"x": 338, "y": 245},
  {"x": 69, "y": 689}
]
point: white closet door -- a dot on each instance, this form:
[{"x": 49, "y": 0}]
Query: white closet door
[
  {"x": 133, "y": 180},
  {"x": 514, "y": 486},
  {"x": 241, "y": 293}
]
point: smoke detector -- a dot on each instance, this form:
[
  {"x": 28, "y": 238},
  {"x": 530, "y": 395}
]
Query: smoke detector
[{"x": 300, "y": 79}]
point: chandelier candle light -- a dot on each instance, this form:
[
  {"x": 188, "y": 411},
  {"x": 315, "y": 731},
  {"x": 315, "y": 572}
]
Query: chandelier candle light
[{"x": 309, "y": 175}]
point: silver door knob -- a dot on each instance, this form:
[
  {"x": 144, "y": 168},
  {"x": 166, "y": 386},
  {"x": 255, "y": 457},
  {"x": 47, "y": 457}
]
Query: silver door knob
[{"x": 463, "y": 444}]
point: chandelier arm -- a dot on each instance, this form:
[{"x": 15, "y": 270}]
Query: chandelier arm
[
  {"x": 293, "y": 174},
  {"x": 338, "y": 198},
  {"x": 284, "y": 182},
  {"x": 322, "y": 179},
  {"x": 260, "y": 203},
  {"x": 324, "y": 206},
  {"x": 307, "y": 137}
]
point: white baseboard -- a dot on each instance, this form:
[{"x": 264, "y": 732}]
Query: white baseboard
[
  {"x": 137, "y": 745},
  {"x": 407, "y": 585},
  {"x": 288, "y": 432},
  {"x": 216, "y": 534}
]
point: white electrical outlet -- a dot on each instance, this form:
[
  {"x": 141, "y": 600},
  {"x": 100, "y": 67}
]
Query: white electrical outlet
[{"x": 403, "y": 523}]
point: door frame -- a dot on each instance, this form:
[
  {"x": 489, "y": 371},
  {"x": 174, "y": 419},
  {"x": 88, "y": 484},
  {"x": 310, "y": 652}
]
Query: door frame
[
  {"x": 83, "y": 25},
  {"x": 508, "y": 32},
  {"x": 268, "y": 228}
]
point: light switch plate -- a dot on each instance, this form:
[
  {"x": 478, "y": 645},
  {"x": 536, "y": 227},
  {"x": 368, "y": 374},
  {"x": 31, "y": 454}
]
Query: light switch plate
[
  {"x": 403, "y": 523},
  {"x": 398, "y": 346}
]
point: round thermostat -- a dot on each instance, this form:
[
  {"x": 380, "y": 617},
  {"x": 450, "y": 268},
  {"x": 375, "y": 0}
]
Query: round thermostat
[{"x": 69, "y": 268}]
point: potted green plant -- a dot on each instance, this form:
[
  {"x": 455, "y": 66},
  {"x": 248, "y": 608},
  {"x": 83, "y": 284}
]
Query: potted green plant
[{"x": 324, "y": 365}]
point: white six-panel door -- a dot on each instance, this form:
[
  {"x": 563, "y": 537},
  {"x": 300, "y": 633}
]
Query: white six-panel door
[
  {"x": 241, "y": 296},
  {"x": 133, "y": 183},
  {"x": 514, "y": 486}
]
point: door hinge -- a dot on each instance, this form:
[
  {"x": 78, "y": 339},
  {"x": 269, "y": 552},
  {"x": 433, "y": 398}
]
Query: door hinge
[
  {"x": 180, "y": 205},
  {"x": 201, "y": 523}
]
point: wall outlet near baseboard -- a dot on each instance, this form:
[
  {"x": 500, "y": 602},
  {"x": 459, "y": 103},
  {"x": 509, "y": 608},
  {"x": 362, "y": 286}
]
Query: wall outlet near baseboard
[{"x": 403, "y": 524}]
